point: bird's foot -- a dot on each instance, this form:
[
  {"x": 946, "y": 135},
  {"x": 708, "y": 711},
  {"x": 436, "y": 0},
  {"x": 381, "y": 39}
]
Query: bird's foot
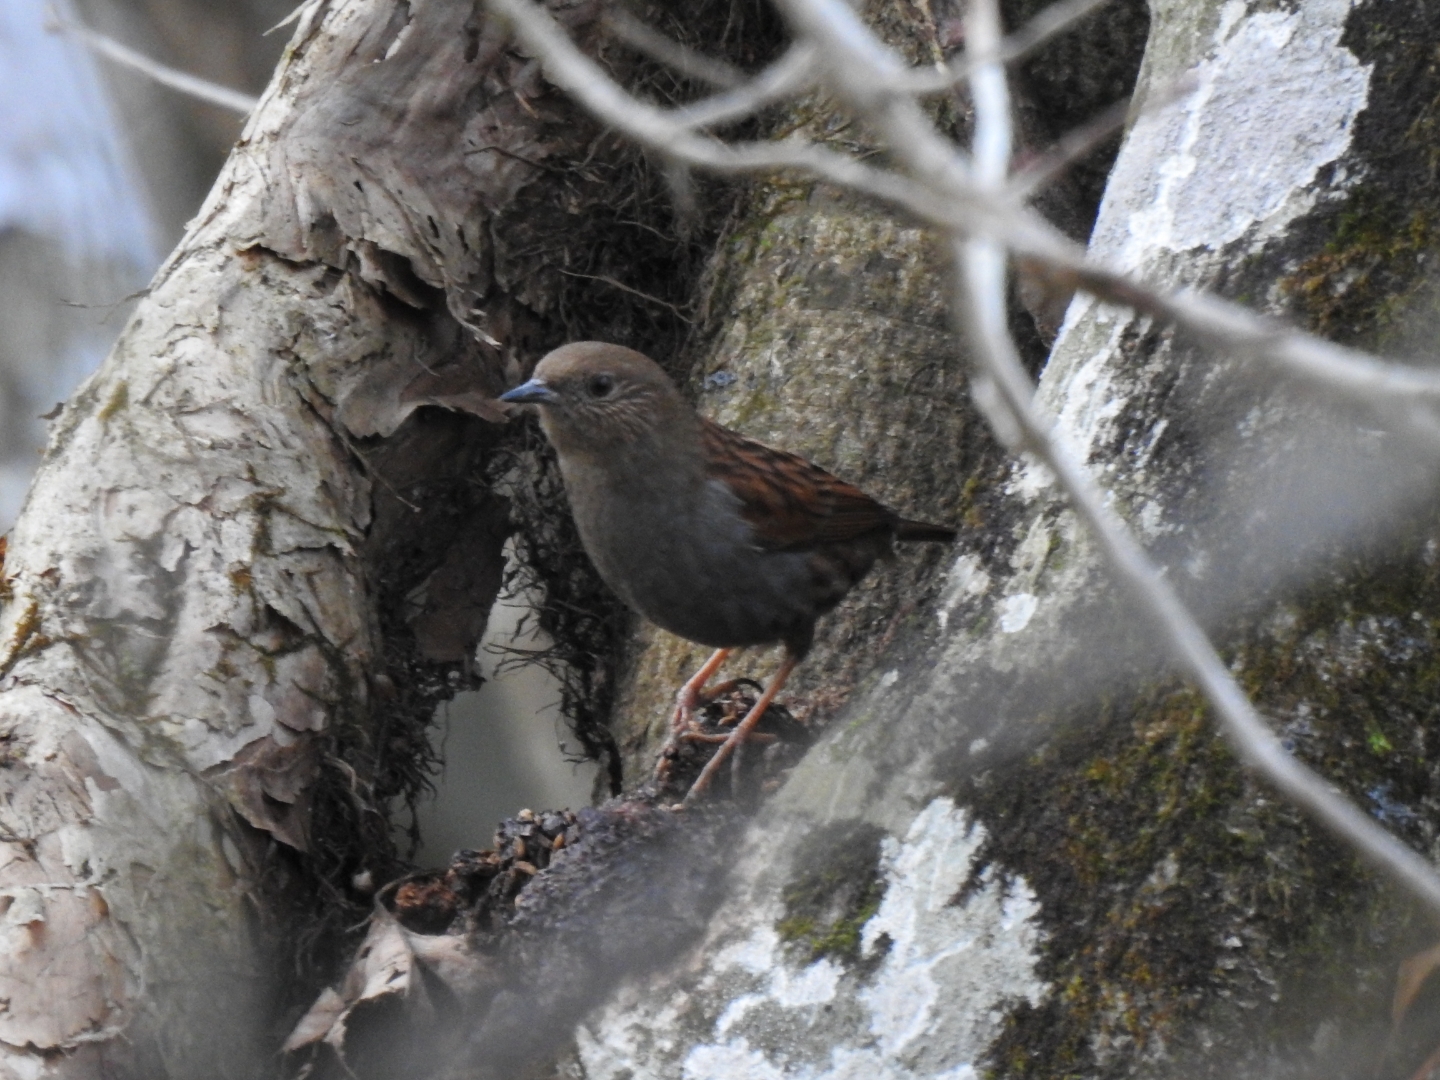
[
  {"x": 720, "y": 691},
  {"x": 720, "y": 708},
  {"x": 682, "y": 727},
  {"x": 729, "y": 744},
  {"x": 682, "y": 721},
  {"x": 742, "y": 731},
  {"x": 691, "y": 696},
  {"x": 683, "y": 718},
  {"x": 689, "y": 729}
]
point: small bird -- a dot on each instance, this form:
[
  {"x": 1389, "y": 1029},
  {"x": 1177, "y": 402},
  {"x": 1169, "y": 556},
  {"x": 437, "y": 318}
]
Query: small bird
[{"x": 713, "y": 536}]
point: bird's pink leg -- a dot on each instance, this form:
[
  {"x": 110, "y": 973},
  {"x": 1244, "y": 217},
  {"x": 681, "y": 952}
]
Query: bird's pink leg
[
  {"x": 688, "y": 699},
  {"x": 742, "y": 729},
  {"x": 686, "y": 702}
]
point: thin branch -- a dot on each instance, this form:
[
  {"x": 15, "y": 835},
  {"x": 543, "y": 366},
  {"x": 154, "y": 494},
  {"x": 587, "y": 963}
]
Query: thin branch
[
  {"x": 293, "y": 17},
  {"x": 1226, "y": 327},
  {"x": 1010, "y": 398},
  {"x": 859, "y": 68},
  {"x": 644, "y": 39},
  {"x": 971, "y": 206},
  {"x": 983, "y": 312},
  {"x": 994, "y": 132},
  {"x": 1088, "y": 137},
  {"x": 945, "y": 186},
  {"x": 190, "y": 85},
  {"x": 788, "y": 75},
  {"x": 656, "y": 128},
  {"x": 1072, "y": 147},
  {"x": 1050, "y": 23},
  {"x": 605, "y": 279}
]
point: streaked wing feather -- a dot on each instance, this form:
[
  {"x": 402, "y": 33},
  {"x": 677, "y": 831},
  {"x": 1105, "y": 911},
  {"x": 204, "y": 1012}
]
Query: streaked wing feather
[{"x": 788, "y": 502}]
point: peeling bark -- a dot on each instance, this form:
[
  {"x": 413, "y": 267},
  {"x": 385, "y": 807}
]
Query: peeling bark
[{"x": 253, "y": 560}]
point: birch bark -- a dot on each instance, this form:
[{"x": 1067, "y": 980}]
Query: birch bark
[{"x": 246, "y": 571}]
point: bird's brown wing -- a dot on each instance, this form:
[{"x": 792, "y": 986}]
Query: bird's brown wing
[{"x": 788, "y": 502}]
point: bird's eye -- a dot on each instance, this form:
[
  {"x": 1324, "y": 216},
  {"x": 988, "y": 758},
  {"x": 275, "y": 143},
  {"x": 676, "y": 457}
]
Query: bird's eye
[{"x": 600, "y": 385}]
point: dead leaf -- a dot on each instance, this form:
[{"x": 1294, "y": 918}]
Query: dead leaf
[
  {"x": 473, "y": 402},
  {"x": 316, "y": 1023},
  {"x": 461, "y": 592}
]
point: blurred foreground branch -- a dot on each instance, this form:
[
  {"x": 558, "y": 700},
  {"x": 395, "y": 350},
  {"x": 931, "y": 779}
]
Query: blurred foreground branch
[{"x": 978, "y": 206}]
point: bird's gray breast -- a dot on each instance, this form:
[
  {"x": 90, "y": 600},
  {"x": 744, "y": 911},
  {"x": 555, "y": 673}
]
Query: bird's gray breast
[{"x": 682, "y": 555}]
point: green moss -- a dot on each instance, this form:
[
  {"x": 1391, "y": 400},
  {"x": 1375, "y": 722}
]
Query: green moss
[
  {"x": 971, "y": 514},
  {"x": 26, "y": 637},
  {"x": 1370, "y": 270},
  {"x": 1372, "y": 280},
  {"x": 1184, "y": 899},
  {"x": 119, "y": 398},
  {"x": 836, "y": 888},
  {"x": 1180, "y": 893}
]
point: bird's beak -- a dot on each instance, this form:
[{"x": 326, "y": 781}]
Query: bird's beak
[{"x": 534, "y": 392}]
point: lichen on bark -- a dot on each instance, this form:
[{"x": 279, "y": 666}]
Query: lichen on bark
[{"x": 1197, "y": 925}]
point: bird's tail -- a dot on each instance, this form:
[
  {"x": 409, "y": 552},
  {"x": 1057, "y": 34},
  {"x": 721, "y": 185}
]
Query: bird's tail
[{"x": 905, "y": 529}]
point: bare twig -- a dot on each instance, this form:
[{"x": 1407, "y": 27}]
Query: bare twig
[
  {"x": 191, "y": 85},
  {"x": 994, "y": 133},
  {"x": 644, "y": 39},
  {"x": 1081, "y": 141},
  {"x": 1009, "y": 397},
  {"x": 605, "y": 279},
  {"x": 982, "y": 265},
  {"x": 293, "y": 17},
  {"x": 1050, "y": 23},
  {"x": 1349, "y": 374},
  {"x": 786, "y": 76},
  {"x": 946, "y": 185}
]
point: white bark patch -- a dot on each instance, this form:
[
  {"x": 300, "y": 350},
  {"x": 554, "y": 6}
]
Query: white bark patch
[
  {"x": 1244, "y": 149},
  {"x": 1237, "y": 161},
  {"x": 946, "y": 971},
  {"x": 1032, "y": 478},
  {"x": 968, "y": 580},
  {"x": 1016, "y": 611},
  {"x": 1093, "y": 401}
]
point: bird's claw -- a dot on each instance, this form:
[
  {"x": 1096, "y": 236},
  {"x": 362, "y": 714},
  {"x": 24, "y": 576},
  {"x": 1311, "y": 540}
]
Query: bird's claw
[{"x": 683, "y": 717}]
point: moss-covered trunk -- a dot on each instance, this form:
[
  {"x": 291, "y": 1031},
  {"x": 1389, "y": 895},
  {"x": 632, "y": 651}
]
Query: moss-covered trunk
[{"x": 1022, "y": 847}]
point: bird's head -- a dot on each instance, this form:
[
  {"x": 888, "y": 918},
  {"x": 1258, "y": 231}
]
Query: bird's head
[{"x": 594, "y": 397}]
